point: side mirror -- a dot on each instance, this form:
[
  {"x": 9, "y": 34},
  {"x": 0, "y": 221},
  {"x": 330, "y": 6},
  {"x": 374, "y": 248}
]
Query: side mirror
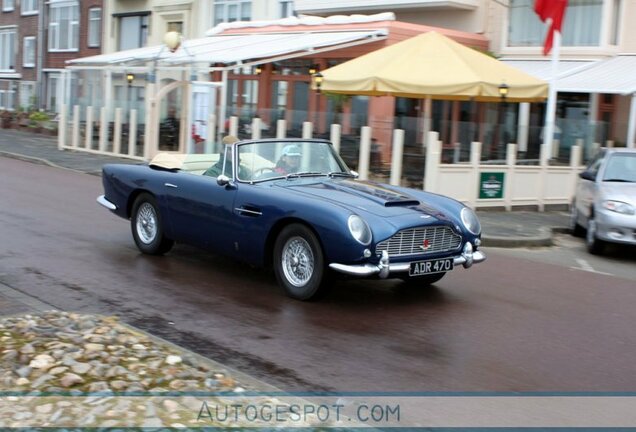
[
  {"x": 354, "y": 173},
  {"x": 588, "y": 175},
  {"x": 222, "y": 180}
]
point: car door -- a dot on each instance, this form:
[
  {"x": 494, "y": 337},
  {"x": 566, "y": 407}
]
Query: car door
[{"x": 586, "y": 188}]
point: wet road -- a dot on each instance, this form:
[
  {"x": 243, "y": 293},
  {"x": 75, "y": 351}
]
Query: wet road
[{"x": 510, "y": 324}]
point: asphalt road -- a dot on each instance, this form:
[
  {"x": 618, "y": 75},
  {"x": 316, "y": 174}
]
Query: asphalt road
[{"x": 514, "y": 323}]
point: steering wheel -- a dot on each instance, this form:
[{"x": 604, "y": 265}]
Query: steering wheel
[{"x": 259, "y": 172}]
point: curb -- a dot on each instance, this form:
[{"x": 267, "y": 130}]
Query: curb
[
  {"x": 37, "y": 160},
  {"x": 545, "y": 238}
]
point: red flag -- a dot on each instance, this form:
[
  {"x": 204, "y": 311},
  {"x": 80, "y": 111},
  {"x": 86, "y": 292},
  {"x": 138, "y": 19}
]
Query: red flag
[{"x": 554, "y": 10}]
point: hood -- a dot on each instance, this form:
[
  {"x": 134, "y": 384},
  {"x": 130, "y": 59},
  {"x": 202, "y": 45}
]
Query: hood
[
  {"x": 358, "y": 195},
  {"x": 625, "y": 192}
]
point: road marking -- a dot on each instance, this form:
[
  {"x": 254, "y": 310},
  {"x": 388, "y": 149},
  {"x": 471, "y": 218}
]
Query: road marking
[{"x": 585, "y": 266}]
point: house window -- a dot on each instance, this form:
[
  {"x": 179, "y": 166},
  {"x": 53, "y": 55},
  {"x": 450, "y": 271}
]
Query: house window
[
  {"x": 133, "y": 31},
  {"x": 232, "y": 10},
  {"x": 7, "y": 50},
  {"x": 7, "y": 98},
  {"x": 8, "y": 5},
  {"x": 29, "y": 7},
  {"x": 616, "y": 19},
  {"x": 286, "y": 8},
  {"x": 64, "y": 26},
  {"x": 53, "y": 90},
  {"x": 581, "y": 27},
  {"x": 94, "y": 27},
  {"x": 28, "y": 52},
  {"x": 27, "y": 95},
  {"x": 175, "y": 26}
]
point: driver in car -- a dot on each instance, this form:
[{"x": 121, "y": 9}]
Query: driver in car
[{"x": 289, "y": 161}]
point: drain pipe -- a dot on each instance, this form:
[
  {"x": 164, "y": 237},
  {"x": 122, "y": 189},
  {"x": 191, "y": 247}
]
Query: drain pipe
[{"x": 40, "y": 55}]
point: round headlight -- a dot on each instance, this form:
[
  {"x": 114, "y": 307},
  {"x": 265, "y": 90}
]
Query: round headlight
[
  {"x": 470, "y": 221},
  {"x": 359, "y": 229}
]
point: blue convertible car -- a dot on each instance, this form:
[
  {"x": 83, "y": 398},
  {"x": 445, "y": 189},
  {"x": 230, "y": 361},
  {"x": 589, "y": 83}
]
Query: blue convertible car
[{"x": 292, "y": 204}]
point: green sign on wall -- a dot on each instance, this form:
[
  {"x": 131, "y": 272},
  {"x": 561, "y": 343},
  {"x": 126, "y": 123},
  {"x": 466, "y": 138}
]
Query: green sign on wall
[{"x": 491, "y": 185}]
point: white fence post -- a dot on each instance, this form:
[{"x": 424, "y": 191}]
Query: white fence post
[
  {"x": 433, "y": 159},
  {"x": 103, "y": 129},
  {"x": 210, "y": 141},
  {"x": 61, "y": 129},
  {"x": 609, "y": 143},
  {"x": 132, "y": 133},
  {"x": 117, "y": 132},
  {"x": 334, "y": 135},
  {"x": 365, "y": 152},
  {"x": 308, "y": 130},
  {"x": 256, "y": 128},
  {"x": 396, "y": 157},
  {"x": 234, "y": 126},
  {"x": 75, "y": 132},
  {"x": 88, "y": 130},
  {"x": 575, "y": 166},
  {"x": 281, "y": 128},
  {"x": 511, "y": 163},
  {"x": 475, "y": 160}
]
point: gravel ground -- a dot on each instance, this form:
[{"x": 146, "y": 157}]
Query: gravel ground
[{"x": 67, "y": 370}]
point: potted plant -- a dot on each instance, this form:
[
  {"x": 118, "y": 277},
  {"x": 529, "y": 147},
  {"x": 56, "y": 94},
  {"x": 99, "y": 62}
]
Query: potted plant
[
  {"x": 6, "y": 118},
  {"x": 37, "y": 120}
]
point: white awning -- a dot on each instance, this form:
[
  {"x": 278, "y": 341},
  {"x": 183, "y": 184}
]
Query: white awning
[
  {"x": 234, "y": 49},
  {"x": 542, "y": 69},
  {"x": 616, "y": 75}
]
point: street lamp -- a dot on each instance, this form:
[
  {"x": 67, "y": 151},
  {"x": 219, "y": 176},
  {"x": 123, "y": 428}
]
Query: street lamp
[
  {"x": 258, "y": 70},
  {"x": 172, "y": 40},
  {"x": 500, "y": 136},
  {"x": 313, "y": 69},
  {"x": 130, "y": 78},
  {"x": 318, "y": 80}
]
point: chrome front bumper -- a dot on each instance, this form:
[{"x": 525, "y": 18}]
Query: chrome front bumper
[
  {"x": 384, "y": 267},
  {"x": 103, "y": 201}
]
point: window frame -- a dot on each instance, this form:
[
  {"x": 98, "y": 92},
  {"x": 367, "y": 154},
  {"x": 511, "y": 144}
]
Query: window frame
[
  {"x": 225, "y": 5},
  {"x": 54, "y": 27},
  {"x": 94, "y": 22},
  {"x": 34, "y": 7},
  {"x": 6, "y": 8},
  {"x": 24, "y": 51},
  {"x": 13, "y": 52}
]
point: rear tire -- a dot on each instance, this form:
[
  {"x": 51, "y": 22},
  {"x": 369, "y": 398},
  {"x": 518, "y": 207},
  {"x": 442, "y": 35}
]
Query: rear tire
[
  {"x": 299, "y": 263},
  {"x": 147, "y": 226},
  {"x": 423, "y": 281},
  {"x": 595, "y": 246}
]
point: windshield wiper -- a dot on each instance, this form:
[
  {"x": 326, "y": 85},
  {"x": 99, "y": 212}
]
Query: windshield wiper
[
  {"x": 304, "y": 174},
  {"x": 340, "y": 174},
  {"x": 618, "y": 180}
]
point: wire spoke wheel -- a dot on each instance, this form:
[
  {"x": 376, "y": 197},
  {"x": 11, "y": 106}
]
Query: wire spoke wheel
[
  {"x": 147, "y": 223},
  {"x": 298, "y": 261}
]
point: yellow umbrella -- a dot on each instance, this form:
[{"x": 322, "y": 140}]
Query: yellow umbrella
[{"x": 432, "y": 65}]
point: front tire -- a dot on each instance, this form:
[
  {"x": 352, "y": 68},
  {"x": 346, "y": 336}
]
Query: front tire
[
  {"x": 423, "y": 281},
  {"x": 595, "y": 246},
  {"x": 299, "y": 263},
  {"x": 147, "y": 226}
]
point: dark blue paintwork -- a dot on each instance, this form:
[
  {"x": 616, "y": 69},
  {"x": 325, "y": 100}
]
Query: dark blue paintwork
[{"x": 202, "y": 213}]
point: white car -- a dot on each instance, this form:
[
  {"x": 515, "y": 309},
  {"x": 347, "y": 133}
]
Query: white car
[{"x": 605, "y": 200}]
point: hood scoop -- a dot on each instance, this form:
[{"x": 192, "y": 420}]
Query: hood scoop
[{"x": 402, "y": 203}]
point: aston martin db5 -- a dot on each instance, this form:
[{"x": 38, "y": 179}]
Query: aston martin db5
[{"x": 294, "y": 205}]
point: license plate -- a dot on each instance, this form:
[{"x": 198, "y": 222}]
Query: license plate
[{"x": 421, "y": 268}]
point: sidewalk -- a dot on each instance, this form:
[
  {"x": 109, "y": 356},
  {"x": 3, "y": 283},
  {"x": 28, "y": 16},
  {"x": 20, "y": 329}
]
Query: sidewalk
[{"x": 500, "y": 228}]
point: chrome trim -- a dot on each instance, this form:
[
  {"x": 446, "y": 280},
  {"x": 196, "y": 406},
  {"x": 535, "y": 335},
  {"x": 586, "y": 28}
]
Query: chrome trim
[
  {"x": 103, "y": 201},
  {"x": 170, "y": 185},
  {"x": 384, "y": 268},
  {"x": 242, "y": 210},
  {"x": 410, "y": 241}
]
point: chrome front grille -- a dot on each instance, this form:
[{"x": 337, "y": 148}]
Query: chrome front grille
[{"x": 421, "y": 240}]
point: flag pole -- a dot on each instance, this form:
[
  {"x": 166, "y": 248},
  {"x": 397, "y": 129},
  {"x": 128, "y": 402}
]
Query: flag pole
[{"x": 550, "y": 114}]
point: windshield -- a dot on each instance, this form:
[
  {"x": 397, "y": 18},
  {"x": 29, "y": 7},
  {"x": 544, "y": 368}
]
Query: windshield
[
  {"x": 621, "y": 167},
  {"x": 285, "y": 159}
]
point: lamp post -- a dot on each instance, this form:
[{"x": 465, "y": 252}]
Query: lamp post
[
  {"x": 318, "y": 81},
  {"x": 499, "y": 136}
]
